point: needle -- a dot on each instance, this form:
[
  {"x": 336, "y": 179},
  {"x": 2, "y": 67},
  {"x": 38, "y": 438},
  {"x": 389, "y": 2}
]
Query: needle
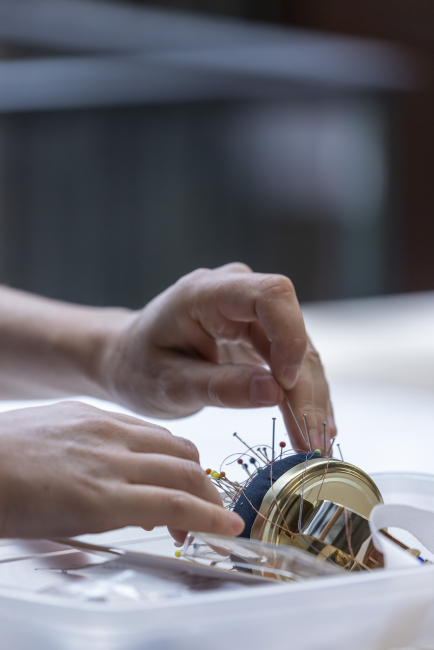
[
  {"x": 295, "y": 419},
  {"x": 307, "y": 431}
]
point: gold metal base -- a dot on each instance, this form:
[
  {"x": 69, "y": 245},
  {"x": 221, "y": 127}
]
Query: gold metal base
[{"x": 322, "y": 507}]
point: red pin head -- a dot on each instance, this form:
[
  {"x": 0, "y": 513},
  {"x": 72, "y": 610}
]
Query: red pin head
[
  {"x": 240, "y": 461},
  {"x": 282, "y": 444}
]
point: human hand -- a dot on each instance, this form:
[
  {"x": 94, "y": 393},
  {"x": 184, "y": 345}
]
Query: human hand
[
  {"x": 70, "y": 468},
  {"x": 206, "y": 341},
  {"x": 311, "y": 397}
]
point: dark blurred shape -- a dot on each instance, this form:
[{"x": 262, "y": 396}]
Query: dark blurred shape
[
  {"x": 137, "y": 144},
  {"x": 408, "y": 24}
]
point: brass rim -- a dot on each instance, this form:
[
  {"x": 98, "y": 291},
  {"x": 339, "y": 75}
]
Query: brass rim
[{"x": 332, "y": 481}]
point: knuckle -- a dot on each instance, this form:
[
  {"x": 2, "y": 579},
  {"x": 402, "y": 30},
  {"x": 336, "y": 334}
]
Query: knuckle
[
  {"x": 227, "y": 330},
  {"x": 76, "y": 407},
  {"x": 198, "y": 273},
  {"x": 194, "y": 473},
  {"x": 278, "y": 286},
  {"x": 190, "y": 450},
  {"x": 68, "y": 403},
  {"x": 320, "y": 415},
  {"x": 237, "y": 267},
  {"x": 103, "y": 425},
  {"x": 300, "y": 345},
  {"x": 312, "y": 355},
  {"x": 191, "y": 279},
  {"x": 89, "y": 417},
  {"x": 162, "y": 431},
  {"x": 177, "y": 504}
]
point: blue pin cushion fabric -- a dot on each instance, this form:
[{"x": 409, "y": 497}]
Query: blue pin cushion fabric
[{"x": 259, "y": 486}]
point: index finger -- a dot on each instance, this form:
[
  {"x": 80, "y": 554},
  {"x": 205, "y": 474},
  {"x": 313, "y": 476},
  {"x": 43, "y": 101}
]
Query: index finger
[
  {"x": 149, "y": 506},
  {"x": 269, "y": 299}
]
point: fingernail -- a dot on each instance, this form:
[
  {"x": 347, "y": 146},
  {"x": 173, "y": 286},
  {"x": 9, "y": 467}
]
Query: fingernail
[
  {"x": 290, "y": 376},
  {"x": 237, "y": 524},
  {"x": 264, "y": 391}
]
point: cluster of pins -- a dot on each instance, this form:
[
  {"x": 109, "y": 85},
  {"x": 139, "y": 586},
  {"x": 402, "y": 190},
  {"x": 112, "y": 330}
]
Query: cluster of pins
[
  {"x": 260, "y": 458},
  {"x": 231, "y": 489}
]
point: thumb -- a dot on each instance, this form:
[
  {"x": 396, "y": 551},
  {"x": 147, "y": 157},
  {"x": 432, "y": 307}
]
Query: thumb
[{"x": 200, "y": 383}]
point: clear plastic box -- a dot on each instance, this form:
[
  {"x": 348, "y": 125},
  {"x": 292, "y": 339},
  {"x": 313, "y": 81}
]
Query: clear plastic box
[{"x": 376, "y": 611}]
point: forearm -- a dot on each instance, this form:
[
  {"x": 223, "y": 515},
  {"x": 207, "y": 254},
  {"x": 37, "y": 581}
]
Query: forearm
[{"x": 50, "y": 348}]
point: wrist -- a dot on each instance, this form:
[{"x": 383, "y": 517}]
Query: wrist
[
  {"x": 100, "y": 347},
  {"x": 53, "y": 349}
]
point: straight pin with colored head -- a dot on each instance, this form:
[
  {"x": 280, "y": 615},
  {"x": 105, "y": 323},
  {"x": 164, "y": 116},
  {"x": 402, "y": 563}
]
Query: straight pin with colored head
[{"x": 246, "y": 445}]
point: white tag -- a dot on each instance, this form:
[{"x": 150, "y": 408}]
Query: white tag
[{"x": 416, "y": 521}]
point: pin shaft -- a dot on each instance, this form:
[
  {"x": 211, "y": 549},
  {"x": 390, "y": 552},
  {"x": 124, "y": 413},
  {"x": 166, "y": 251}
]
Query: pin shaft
[
  {"x": 307, "y": 432},
  {"x": 295, "y": 419},
  {"x": 264, "y": 457},
  {"x": 246, "y": 469},
  {"x": 246, "y": 445}
]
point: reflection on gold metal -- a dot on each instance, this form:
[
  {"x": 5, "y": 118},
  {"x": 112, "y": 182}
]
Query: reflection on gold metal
[{"x": 322, "y": 507}]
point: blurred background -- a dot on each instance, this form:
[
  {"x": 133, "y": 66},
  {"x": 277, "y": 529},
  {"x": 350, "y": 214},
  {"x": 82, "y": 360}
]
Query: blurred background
[{"x": 139, "y": 141}]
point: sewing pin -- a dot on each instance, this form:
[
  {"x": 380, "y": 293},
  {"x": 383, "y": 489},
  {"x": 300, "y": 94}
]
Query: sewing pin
[
  {"x": 295, "y": 419},
  {"x": 307, "y": 432},
  {"x": 226, "y": 479},
  {"x": 246, "y": 468},
  {"x": 224, "y": 489},
  {"x": 324, "y": 424},
  {"x": 246, "y": 445},
  {"x": 262, "y": 454},
  {"x": 339, "y": 447},
  {"x": 274, "y": 431}
]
